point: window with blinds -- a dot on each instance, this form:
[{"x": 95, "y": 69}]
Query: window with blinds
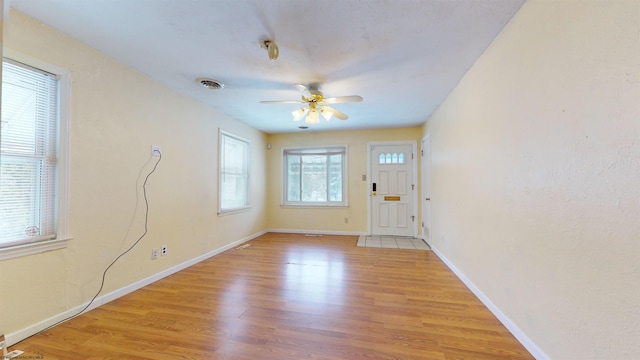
[
  {"x": 315, "y": 176},
  {"x": 28, "y": 162},
  {"x": 234, "y": 173}
]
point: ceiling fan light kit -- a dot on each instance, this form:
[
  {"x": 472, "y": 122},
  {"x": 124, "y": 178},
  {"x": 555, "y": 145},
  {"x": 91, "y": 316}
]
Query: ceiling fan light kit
[
  {"x": 316, "y": 105},
  {"x": 299, "y": 114},
  {"x": 313, "y": 117},
  {"x": 326, "y": 114}
]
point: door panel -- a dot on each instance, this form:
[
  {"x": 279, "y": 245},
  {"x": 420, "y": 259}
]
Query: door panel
[
  {"x": 383, "y": 182},
  {"x": 401, "y": 219},
  {"x": 401, "y": 182},
  {"x": 383, "y": 215}
]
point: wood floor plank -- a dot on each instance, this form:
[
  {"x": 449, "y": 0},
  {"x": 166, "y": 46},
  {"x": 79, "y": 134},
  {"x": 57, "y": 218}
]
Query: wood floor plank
[{"x": 289, "y": 296}]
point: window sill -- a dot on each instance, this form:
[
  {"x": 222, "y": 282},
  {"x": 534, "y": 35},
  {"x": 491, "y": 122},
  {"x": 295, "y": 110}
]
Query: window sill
[
  {"x": 309, "y": 206},
  {"x": 234, "y": 211},
  {"x": 33, "y": 248}
]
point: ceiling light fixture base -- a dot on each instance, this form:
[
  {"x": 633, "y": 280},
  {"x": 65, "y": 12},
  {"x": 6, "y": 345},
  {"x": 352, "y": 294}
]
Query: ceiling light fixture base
[{"x": 272, "y": 48}]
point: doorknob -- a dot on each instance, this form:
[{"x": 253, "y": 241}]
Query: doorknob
[{"x": 427, "y": 199}]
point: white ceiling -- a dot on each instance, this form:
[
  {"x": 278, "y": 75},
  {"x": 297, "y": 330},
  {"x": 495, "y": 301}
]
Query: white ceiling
[{"x": 402, "y": 56}]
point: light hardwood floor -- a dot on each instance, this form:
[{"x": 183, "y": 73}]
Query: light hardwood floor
[{"x": 289, "y": 296}]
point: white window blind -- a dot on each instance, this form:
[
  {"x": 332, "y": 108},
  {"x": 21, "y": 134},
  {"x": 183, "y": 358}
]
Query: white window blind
[
  {"x": 234, "y": 172},
  {"x": 28, "y": 160}
]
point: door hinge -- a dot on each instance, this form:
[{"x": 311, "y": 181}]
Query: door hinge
[
  {"x": 413, "y": 186},
  {"x": 411, "y": 156},
  {"x": 413, "y": 218},
  {"x": 423, "y": 224},
  {"x": 422, "y": 152}
]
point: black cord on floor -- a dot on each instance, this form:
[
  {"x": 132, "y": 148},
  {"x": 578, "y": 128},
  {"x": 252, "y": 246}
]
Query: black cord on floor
[{"x": 104, "y": 274}]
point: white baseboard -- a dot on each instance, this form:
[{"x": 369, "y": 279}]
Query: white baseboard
[
  {"x": 510, "y": 325},
  {"x": 317, "y": 232},
  {"x": 15, "y": 337}
]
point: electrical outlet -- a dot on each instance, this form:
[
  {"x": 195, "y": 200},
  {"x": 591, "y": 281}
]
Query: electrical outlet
[
  {"x": 155, "y": 150},
  {"x": 163, "y": 250},
  {"x": 154, "y": 254}
]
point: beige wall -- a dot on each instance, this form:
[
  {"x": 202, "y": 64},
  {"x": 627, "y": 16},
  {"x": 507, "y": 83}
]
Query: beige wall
[
  {"x": 329, "y": 219},
  {"x": 116, "y": 114},
  {"x": 535, "y": 176}
]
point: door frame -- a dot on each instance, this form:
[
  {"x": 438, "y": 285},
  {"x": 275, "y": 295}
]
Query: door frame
[
  {"x": 414, "y": 179},
  {"x": 425, "y": 186}
]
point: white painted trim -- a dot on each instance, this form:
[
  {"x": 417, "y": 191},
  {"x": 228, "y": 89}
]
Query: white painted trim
[
  {"x": 510, "y": 325},
  {"x": 317, "y": 232},
  {"x": 32, "y": 248},
  {"x": 425, "y": 170},
  {"x": 15, "y": 337},
  {"x": 5, "y": 13}
]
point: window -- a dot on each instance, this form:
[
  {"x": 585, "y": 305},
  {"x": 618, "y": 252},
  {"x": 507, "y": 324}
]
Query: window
[
  {"x": 234, "y": 173},
  {"x": 315, "y": 176},
  {"x": 389, "y": 158},
  {"x": 32, "y": 170}
]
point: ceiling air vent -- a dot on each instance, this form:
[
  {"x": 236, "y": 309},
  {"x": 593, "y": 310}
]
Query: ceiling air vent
[{"x": 210, "y": 83}]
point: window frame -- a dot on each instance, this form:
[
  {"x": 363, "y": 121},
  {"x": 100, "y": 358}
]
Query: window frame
[
  {"x": 235, "y": 209},
  {"x": 62, "y": 154},
  {"x": 284, "y": 202}
]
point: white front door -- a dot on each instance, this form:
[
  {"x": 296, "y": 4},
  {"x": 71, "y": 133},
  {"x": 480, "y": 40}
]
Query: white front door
[{"x": 392, "y": 190}]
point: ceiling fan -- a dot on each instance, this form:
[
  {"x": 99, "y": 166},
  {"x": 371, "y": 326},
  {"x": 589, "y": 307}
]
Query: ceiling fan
[{"x": 316, "y": 105}]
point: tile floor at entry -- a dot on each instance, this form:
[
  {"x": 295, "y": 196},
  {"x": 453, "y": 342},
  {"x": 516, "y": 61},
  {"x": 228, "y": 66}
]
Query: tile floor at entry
[{"x": 394, "y": 242}]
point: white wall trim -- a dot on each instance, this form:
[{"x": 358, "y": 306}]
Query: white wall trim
[
  {"x": 15, "y": 337},
  {"x": 510, "y": 325},
  {"x": 32, "y": 248},
  {"x": 317, "y": 232}
]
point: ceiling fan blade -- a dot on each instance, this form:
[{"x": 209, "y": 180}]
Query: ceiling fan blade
[
  {"x": 340, "y": 115},
  {"x": 343, "y": 99},
  {"x": 283, "y": 102},
  {"x": 303, "y": 90}
]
